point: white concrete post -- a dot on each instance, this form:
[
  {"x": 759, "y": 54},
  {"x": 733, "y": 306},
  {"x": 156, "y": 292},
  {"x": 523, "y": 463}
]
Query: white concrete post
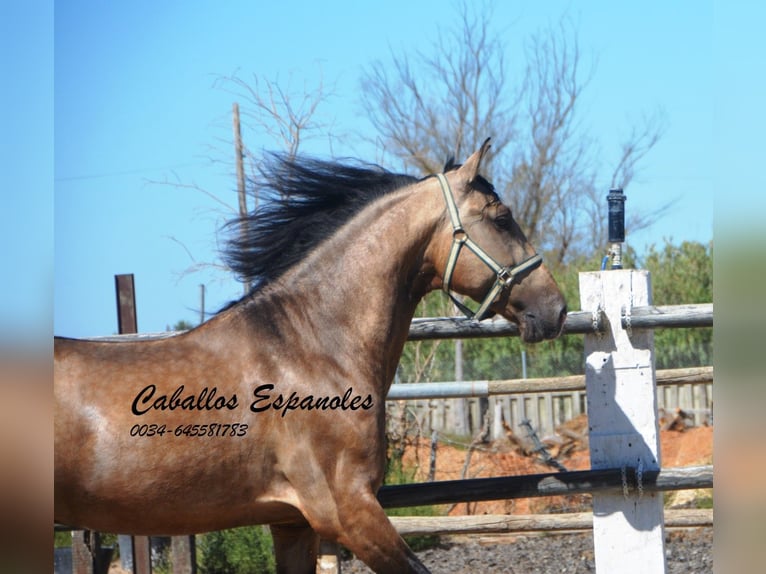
[{"x": 628, "y": 526}]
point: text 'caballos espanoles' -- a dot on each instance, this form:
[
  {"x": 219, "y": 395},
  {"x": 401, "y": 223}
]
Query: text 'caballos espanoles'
[{"x": 210, "y": 399}]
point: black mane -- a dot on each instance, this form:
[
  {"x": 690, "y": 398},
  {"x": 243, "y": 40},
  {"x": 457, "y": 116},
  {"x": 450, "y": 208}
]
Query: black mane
[{"x": 302, "y": 202}]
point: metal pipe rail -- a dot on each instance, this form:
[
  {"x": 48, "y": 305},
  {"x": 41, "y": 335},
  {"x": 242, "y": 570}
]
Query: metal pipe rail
[
  {"x": 469, "y": 389},
  {"x": 549, "y": 484}
]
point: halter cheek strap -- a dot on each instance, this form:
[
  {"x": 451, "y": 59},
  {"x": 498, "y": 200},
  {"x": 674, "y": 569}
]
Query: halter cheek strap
[{"x": 504, "y": 275}]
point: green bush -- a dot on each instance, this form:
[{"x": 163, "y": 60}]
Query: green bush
[
  {"x": 682, "y": 274},
  {"x": 246, "y": 550}
]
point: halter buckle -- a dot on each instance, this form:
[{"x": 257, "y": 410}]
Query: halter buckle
[{"x": 505, "y": 276}]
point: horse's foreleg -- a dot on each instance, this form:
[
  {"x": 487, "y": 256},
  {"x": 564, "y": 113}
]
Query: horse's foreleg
[
  {"x": 296, "y": 549},
  {"x": 366, "y": 531}
]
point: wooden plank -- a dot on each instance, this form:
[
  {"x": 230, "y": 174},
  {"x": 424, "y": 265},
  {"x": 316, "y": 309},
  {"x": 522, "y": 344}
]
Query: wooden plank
[
  {"x": 128, "y": 324},
  {"x": 88, "y": 556},
  {"x": 433, "y": 328},
  {"x": 504, "y": 523},
  {"x": 667, "y": 316},
  {"x": 127, "y": 321},
  {"x": 548, "y": 420},
  {"x": 577, "y": 323},
  {"x": 182, "y": 552},
  {"x": 628, "y": 527},
  {"x": 496, "y": 406},
  {"x": 142, "y": 555},
  {"x": 83, "y": 561},
  {"x": 693, "y": 375}
]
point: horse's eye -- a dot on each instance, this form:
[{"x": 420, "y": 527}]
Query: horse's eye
[{"x": 503, "y": 218}]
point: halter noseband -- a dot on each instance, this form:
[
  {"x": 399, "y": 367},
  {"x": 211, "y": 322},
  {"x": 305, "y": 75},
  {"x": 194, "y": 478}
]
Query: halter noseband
[{"x": 504, "y": 275}]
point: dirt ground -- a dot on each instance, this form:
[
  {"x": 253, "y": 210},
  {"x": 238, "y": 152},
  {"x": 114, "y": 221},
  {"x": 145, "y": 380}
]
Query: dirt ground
[
  {"x": 691, "y": 447},
  {"x": 687, "y": 551}
]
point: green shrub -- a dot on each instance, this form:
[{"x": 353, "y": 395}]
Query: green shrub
[
  {"x": 62, "y": 539},
  {"x": 246, "y": 550}
]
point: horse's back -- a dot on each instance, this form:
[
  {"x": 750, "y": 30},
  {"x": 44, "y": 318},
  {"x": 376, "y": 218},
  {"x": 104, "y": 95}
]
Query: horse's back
[{"x": 120, "y": 460}]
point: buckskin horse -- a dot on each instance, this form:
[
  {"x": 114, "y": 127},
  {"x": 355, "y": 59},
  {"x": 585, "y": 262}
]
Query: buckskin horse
[{"x": 272, "y": 412}]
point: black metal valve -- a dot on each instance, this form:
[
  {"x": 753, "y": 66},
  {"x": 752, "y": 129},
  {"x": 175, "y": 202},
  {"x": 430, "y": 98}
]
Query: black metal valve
[{"x": 616, "y": 200}]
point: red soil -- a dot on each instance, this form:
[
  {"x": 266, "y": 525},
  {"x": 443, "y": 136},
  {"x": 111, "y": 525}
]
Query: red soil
[{"x": 692, "y": 447}]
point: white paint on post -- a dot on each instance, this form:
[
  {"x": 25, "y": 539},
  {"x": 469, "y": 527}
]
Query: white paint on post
[{"x": 628, "y": 526}]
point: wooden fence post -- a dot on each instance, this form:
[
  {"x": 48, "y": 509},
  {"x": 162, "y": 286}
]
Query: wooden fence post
[
  {"x": 83, "y": 557},
  {"x": 628, "y": 526},
  {"x": 182, "y": 557},
  {"x": 182, "y": 547}
]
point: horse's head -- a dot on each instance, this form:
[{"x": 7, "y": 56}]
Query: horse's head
[{"x": 481, "y": 252}]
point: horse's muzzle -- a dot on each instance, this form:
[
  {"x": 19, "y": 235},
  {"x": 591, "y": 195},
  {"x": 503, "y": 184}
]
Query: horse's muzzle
[{"x": 535, "y": 328}]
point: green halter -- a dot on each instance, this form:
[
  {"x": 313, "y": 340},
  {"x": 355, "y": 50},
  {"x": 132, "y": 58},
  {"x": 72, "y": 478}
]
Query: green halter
[{"x": 504, "y": 275}]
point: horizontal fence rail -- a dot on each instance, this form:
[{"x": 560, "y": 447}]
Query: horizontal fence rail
[
  {"x": 577, "y": 323},
  {"x": 548, "y": 484},
  {"x": 455, "y": 389},
  {"x": 668, "y": 316},
  {"x": 509, "y": 523},
  {"x": 434, "y": 328}
]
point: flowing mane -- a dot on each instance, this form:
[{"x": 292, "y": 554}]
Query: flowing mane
[{"x": 306, "y": 201}]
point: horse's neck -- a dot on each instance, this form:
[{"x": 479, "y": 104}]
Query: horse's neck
[{"x": 364, "y": 283}]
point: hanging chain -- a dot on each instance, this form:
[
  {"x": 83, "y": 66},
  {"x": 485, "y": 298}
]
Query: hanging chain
[
  {"x": 639, "y": 480},
  {"x": 624, "y": 476}
]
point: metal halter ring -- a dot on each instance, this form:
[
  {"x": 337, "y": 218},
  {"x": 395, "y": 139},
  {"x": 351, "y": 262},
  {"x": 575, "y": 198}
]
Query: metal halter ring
[{"x": 504, "y": 274}]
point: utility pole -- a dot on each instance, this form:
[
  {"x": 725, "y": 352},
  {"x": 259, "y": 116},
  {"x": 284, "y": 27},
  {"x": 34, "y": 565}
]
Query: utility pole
[
  {"x": 239, "y": 156},
  {"x": 201, "y": 303}
]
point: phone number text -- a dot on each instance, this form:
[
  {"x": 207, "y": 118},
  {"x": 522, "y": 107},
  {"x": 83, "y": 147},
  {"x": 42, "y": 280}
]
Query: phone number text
[{"x": 190, "y": 430}]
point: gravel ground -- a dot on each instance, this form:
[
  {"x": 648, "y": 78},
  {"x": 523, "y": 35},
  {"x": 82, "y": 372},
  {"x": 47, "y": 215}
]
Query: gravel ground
[{"x": 687, "y": 552}]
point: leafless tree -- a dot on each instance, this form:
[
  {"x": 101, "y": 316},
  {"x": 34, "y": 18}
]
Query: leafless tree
[
  {"x": 286, "y": 115},
  {"x": 289, "y": 116},
  {"x": 428, "y": 107}
]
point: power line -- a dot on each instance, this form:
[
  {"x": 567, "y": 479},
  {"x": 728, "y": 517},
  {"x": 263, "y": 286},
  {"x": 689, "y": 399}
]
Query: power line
[{"x": 121, "y": 173}]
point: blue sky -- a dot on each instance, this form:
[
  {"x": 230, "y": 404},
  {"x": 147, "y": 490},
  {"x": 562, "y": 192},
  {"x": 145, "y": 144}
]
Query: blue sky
[{"x": 135, "y": 101}]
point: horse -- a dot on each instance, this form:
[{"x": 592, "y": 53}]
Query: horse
[{"x": 273, "y": 411}]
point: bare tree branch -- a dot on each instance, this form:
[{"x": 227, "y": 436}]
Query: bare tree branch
[
  {"x": 639, "y": 143},
  {"x": 428, "y": 107},
  {"x": 450, "y": 105},
  {"x": 288, "y": 115}
]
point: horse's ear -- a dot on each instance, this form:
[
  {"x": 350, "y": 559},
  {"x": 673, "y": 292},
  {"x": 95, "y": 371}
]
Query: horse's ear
[{"x": 470, "y": 169}]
